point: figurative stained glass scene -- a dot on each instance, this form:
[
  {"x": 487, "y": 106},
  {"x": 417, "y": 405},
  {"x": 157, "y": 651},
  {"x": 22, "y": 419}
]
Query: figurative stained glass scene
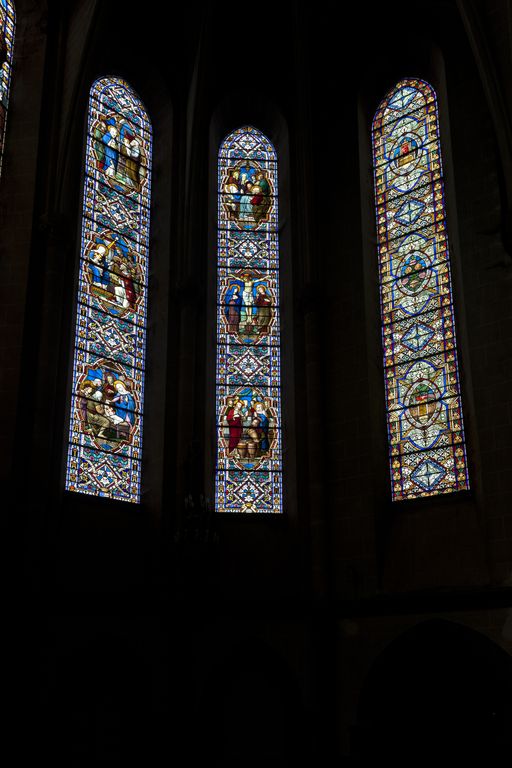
[
  {"x": 7, "y": 20},
  {"x": 248, "y": 402},
  {"x": 104, "y": 456},
  {"x": 424, "y": 411}
]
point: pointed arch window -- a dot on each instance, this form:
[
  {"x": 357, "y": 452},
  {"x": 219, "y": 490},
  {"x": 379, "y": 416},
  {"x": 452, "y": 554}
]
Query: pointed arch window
[
  {"x": 248, "y": 402},
  {"x": 105, "y": 439},
  {"x": 423, "y": 401},
  {"x": 7, "y": 24}
]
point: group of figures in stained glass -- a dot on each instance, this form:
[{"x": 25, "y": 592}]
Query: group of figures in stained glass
[
  {"x": 107, "y": 407},
  {"x": 114, "y": 274},
  {"x": 248, "y": 416},
  {"x": 119, "y": 153},
  {"x": 247, "y": 194},
  {"x": 248, "y": 303}
]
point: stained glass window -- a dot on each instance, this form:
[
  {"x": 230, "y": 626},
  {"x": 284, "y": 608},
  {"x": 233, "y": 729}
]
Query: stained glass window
[
  {"x": 7, "y": 21},
  {"x": 424, "y": 411},
  {"x": 104, "y": 456},
  {"x": 248, "y": 404}
]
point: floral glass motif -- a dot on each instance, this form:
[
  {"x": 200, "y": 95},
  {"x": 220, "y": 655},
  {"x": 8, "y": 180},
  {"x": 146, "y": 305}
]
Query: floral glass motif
[
  {"x": 424, "y": 411},
  {"x": 104, "y": 456},
  {"x": 7, "y": 23},
  {"x": 248, "y": 401}
]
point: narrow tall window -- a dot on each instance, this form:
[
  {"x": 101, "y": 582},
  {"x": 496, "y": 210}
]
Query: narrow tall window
[
  {"x": 249, "y": 461},
  {"x": 7, "y": 22},
  {"x": 424, "y": 412},
  {"x": 104, "y": 456}
]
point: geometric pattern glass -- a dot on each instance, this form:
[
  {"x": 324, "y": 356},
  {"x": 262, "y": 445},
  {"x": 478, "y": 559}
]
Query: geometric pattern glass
[
  {"x": 105, "y": 438},
  {"x": 248, "y": 394},
  {"x": 427, "y": 451},
  {"x": 7, "y": 23}
]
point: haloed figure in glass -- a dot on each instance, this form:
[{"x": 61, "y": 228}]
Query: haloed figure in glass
[
  {"x": 106, "y": 407},
  {"x": 247, "y": 194},
  {"x": 248, "y": 305},
  {"x": 119, "y": 152},
  {"x": 114, "y": 274},
  {"x": 249, "y": 425}
]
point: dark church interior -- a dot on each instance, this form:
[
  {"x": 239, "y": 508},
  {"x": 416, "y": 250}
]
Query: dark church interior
[{"x": 350, "y": 630}]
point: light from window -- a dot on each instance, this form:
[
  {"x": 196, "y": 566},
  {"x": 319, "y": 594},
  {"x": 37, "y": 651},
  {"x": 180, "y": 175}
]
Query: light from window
[
  {"x": 423, "y": 402},
  {"x": 104, "y": 456},
  {"x": 248, "y": 403}
]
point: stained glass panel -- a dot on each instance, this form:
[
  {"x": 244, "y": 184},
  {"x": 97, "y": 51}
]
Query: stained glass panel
[
  {"x": 7, "y": 21},
  {"x": 248, "y": 402},
  {"x": 424, "y": 411},
  {"x": 105, "y": 440}
]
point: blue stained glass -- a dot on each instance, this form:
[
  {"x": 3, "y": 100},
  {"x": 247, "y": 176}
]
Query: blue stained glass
[
  {"x": 417, "y": 336},
  {"x": 7, "y": 25},
  {"x": 248, "y": 401},
  {"x": 409, "y": 212},
  {"x": 428, "y": 474},
  {"x": 105, "y": 440},
  {"x": 427, "y": 450}
]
